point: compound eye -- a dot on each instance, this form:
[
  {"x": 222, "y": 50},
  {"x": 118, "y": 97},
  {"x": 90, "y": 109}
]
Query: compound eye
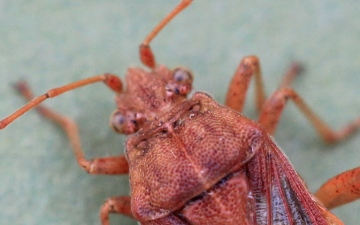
[
  {"x": 182, "y": 76},
  {"x": 118, "y": 122}
]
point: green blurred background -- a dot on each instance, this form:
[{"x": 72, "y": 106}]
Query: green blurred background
[{"x": 51, "y": 43}]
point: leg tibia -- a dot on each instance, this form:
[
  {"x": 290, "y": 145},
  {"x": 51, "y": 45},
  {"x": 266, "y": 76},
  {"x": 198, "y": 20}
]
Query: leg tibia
[{"x": 239, "y": 84}]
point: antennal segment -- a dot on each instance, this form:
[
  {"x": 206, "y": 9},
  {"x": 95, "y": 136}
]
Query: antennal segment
[{"x": 146, "y": 55}]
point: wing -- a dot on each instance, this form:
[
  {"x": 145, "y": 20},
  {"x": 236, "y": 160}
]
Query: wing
[{"x": 280, "y": 195}]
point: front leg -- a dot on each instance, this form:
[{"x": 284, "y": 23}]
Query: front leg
[{"x": 106, "y": 165}]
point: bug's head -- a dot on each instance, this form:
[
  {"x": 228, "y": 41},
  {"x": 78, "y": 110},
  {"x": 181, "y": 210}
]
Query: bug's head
[{"x": 148, "y": 94}]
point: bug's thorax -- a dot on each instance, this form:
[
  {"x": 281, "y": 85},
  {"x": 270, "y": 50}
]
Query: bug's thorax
[{"x": 183, "y": 153}]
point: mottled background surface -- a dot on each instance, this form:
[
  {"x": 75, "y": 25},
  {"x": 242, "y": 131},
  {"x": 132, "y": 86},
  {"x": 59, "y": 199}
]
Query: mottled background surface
[{"x": 50, "y": 43}]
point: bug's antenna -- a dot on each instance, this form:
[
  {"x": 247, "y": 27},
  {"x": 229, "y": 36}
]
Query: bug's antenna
[{"x": 146, "y": 55}]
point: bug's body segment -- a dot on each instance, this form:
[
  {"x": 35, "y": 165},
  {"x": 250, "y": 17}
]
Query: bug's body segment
[
  {"x": 183, "y": 159},
  {"x": 198, "y": 157},
  {"x": 192, "y": 161}
]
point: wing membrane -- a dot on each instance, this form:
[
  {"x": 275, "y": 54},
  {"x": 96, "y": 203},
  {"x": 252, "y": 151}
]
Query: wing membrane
[{"x": 280, "y": 195}]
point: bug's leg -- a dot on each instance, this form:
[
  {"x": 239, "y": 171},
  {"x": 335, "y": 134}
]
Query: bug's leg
[
  {"x": 294, "y": 70},
  {"x": 235, "y": 97},
  {"x": 108, "y": 165},
  {"x": 341, "y": 189},
  {"x": 248, "y": 67},
  {"x": 119, "y": 204},
  {"x": 274, "y": 106},
  {"x": 146, "y": 55}
]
